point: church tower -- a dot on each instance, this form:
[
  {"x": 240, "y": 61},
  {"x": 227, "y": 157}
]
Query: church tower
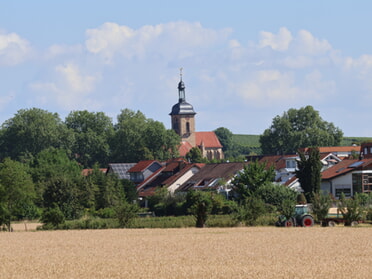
[{"x": 183, "y": 116}]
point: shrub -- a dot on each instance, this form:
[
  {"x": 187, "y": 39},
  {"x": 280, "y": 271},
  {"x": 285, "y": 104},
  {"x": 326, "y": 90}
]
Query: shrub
[
  {"x": 125, "y": 213},
  {"x": 52, "y": 217},
  {"x": 200, "y": 206},
  {"x": 249, "y": 211},
  {"x": 351, "y": 209},
  {"x": 320, "y": 206},
  {"x": 275, "y": 194}
]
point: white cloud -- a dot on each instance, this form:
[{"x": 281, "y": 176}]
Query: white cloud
[
  {"x": 279, "y": 42},
  {"x": 306, "y": 43},
  {"x": 69, "y": 88},
  {"x": 268, "y": 87},
  {"x": 180, "y": 39},
  {"x": 13, "y": 49},
  {"x": 74, "y": 79},
  {"x": 118, "y": 67}
]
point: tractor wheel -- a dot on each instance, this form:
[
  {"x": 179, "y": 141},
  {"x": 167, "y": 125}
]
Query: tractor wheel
[
  {"x": 354, "y": 223},
  {"x": 331, "y": 223},
  {"x": 290, "y": 223},
  {"x": 307, "y": 221}
]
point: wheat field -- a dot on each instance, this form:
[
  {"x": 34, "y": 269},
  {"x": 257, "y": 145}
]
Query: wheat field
[{"x": 245, "y": 252}]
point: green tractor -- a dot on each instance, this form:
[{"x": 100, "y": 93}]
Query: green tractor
[{"x": 300, "y": 218}]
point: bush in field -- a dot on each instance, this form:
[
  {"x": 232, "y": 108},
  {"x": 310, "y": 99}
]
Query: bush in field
[
  {"x": 125, "y": 213},
  {"x": 351, "y": 209},
  {"x": 163, "y": 203},
  {"x": 320, "y": 206},
  {"x": 250, "y": 210},
  {"x": 275, "y": 194},
  {"x": 52, "y": 217},
  {"x": 287, "y": 208},
  {"x": 200, "y": 206}
]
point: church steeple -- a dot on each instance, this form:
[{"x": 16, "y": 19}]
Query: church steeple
[
  {"x": 182, "y": 115},
  {"x": 181, "y": 89}
]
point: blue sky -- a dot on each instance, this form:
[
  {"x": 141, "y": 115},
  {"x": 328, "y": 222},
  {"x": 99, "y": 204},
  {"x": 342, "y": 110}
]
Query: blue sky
[{"x": 244, "y": 62}]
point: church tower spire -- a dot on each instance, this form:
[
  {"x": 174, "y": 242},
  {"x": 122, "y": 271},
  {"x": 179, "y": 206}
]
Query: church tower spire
[
  {"x": 181, "y": 89},
  {"x": 183, "y": 115}
]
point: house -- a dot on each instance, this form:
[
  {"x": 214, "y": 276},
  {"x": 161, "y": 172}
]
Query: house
[
  {"x": 144, "y": 172},
  {"x": 350, "y": 176},
  {"x": 213, "y": 177},
  {"x": 285, "y": 166},
  {"x": 183, "y": 123},
  {"x": 341, "y": 152},
  {"x": 120, "y": 169}
]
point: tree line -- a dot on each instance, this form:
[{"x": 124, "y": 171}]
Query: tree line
[{"x": 87, "y": 137}]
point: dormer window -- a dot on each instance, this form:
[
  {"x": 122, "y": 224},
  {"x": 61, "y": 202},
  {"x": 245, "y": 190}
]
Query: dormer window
[{"x": 290, "y": 164}]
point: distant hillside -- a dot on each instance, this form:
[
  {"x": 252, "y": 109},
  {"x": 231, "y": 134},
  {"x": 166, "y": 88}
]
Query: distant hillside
[
  {"x": 252, "y": 142},
  {"x": 247, "y": 140}
]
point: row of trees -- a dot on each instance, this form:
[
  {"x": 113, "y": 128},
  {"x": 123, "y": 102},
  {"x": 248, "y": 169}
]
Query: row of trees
[
  {"x": 50, "y": 185},
  {"x": 90, "y": 137},
  {"x": 294, "y": 129}
]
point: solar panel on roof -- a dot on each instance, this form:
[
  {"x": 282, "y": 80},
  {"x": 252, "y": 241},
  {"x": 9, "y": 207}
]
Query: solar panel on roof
[{"x": 356, "y": 164}]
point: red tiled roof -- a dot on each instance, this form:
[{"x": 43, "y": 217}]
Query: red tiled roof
[
  {"x": 208, "y": 139},
  {"x": 343, "y": 167},
  {"x": 277, "y": 161},
  {"x": 334, "y": 149},
  {"x": 142, "y": 165},
  {"x": 184, "y": 148}
]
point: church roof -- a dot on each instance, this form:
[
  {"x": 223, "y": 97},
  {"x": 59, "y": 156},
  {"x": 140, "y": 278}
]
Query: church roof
[
  {"x": 208, "y": 139},
  {"x": 184, "y": 148},
  {"x": 182, "y": 108}
]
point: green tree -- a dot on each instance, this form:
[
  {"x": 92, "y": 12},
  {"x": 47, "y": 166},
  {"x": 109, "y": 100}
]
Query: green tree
[
  {"x": 320, "y": 206},
  {"x": 249, "y": 210},
  {"x": 138, "y": 138},
  {"x": 31, "y": 131},
  {"x": 93, "y": 132},
  {"x": 200, "y": 206},
  {"x": 52, "y": 217},
  {"x": 296, "y": 129},
  {"x": 195, "y": 155},
  {"x": 309, "y": 172},
  {"x": 352, "y": 209},
  {"x": 253, "y": 176},
  {"x": 274, "y": 194},
  {"x": 125, "y": 213},
  {"x": 52, "y": 164},
  {"x": 225, "y": 136},
  {"x": 16, "y": 191}
]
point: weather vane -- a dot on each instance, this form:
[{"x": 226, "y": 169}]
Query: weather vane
[{"x": 181, "y": 72}]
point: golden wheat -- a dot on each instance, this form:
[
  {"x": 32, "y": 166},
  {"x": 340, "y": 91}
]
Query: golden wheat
[{"x": 261, "y": 252}]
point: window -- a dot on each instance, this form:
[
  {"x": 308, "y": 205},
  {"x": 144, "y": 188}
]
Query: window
[
  {"x": 346, "y": 191},
  {"x": 290, "y": 164}
]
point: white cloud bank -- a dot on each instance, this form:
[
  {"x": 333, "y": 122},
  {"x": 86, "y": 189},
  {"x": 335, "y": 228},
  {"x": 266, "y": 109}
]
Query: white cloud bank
[{"x": 118, "y": 67}]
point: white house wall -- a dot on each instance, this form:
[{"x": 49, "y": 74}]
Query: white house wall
[
  {"x": 174, "y": 186},
  {"x": 340, "y": 182}
]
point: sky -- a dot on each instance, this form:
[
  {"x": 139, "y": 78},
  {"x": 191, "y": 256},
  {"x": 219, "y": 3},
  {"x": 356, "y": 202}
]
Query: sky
[{"x": 244, "y": 62}]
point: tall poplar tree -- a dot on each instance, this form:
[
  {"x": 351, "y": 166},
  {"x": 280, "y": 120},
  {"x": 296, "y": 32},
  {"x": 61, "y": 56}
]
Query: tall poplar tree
[{"x": 308, "y": 172}]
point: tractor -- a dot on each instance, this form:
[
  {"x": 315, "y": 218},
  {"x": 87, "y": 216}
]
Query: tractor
[{"x": 300, "y": 218}]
